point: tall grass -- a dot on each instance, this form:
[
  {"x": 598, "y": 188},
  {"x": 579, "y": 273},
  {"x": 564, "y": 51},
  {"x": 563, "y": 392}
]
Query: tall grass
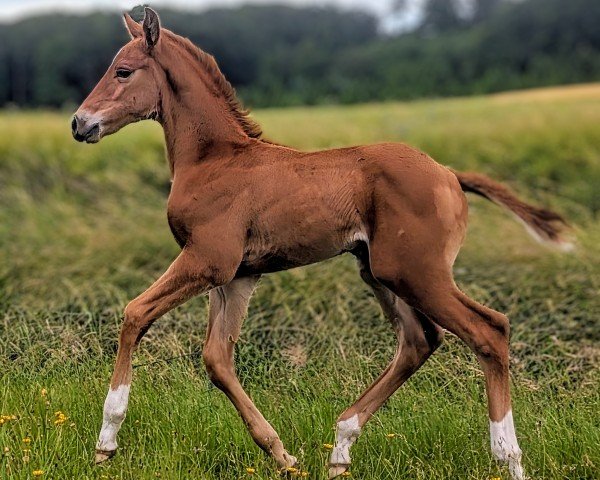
[{"x": 83, "y": 230}]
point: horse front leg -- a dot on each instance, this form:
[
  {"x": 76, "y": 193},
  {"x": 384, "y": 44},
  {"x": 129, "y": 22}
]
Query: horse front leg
[
  {"x": 228, "y": 307},
  {"x": 187, "y": 277}
]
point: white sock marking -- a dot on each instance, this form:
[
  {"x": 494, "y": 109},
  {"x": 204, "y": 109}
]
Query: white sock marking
[
  {"x": 504, "y": 445},
  {"x": 115, "y": 407},
  {"x": 347, "y": 433}
]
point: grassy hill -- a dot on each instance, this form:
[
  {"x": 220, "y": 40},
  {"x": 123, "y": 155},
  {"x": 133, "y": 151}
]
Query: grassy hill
[{"x": 83, "y": 230}]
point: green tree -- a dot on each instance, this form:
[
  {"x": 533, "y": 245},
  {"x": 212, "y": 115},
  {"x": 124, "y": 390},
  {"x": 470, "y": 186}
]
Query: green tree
[{"x": 440, "y": 16}]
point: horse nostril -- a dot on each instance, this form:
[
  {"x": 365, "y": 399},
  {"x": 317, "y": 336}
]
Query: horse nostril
[{"x": 74, "y": 124}]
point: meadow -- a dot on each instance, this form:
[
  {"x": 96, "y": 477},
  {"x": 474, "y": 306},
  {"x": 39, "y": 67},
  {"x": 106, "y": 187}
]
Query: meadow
[{"x": 83, "y": 230}]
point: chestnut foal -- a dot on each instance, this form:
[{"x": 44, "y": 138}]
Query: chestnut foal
[{"x": 241, "y": 206}]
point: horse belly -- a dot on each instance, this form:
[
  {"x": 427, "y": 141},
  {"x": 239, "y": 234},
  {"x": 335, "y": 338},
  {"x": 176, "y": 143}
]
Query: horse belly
[{"x": 290, "y": 249}]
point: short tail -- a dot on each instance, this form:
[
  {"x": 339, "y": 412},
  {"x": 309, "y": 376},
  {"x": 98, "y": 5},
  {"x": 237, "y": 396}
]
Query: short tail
[{"x": 544, "y": 225}]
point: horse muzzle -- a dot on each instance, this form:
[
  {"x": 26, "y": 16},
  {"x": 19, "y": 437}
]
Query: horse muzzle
[{"x": 84, "y": 129}]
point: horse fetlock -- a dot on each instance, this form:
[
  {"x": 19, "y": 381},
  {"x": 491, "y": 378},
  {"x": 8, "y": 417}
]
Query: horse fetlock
[
  {"x": 504, "y": 445},
  {"x": 347, "y": 432},
  {"x": 278, "y": 452}
]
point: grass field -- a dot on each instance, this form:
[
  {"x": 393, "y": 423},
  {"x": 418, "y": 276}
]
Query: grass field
[{"x": 83, "y": 230}]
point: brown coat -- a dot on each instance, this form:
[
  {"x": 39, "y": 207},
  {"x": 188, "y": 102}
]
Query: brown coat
[{"x": 241, "y": 206}]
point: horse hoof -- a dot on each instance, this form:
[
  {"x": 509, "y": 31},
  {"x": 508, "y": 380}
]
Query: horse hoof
[
  {"x": 103, "y": 455},
  {"x": 337, "y": 470}
]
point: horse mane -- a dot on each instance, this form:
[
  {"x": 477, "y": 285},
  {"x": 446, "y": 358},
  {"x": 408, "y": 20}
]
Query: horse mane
[{"x": 222, "y": 85}]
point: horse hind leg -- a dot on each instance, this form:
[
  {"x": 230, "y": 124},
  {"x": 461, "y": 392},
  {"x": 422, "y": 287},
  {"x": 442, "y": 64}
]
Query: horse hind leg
[
  {"x": 433, "y": 291},
  {"x": 417, "y": 338}
]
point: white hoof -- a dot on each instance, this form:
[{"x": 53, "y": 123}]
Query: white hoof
[
  {"x": 103, "y": 455},
  {"x": 516, "y": 469},
  {"x": 337, "y": 470}
]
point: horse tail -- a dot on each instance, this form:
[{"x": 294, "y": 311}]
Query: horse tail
[{"x": 544, "y": 225}]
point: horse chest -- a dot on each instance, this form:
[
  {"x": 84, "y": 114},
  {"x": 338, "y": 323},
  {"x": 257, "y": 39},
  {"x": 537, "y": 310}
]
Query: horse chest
[
  {"x": 189, "y": 209},
  {"x": 183, "y": 215}
]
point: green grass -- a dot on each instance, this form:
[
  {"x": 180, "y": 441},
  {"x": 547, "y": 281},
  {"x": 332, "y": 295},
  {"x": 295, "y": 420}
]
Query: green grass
[{"x": 83, "y": 230}]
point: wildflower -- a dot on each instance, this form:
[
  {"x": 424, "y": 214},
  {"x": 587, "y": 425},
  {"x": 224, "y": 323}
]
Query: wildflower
[
  {"x": 327, "y": 446},
  {"x": 6, "y": 449},
  {"x": 304, "y": 474},
  {"x": 291, "y": 469},
  {"x": 44, "y": 392},
  {"x": 390, "y": 435},
  {"x": 60, "y": 418},
  {"x": 6, "y": 418},
  {"x": 495, "y": 478},
  {"x": 346, "y": 474},
  {"x": 250, "y": 470},
  {"x": 27, "y": 440},
  {"x": 37, "y": 473}
]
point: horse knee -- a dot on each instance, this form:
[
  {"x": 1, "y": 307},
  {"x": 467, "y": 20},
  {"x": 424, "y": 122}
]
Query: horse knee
[
  {"x": 136, "y": 322},
  {"x": 217, "y": 364}
]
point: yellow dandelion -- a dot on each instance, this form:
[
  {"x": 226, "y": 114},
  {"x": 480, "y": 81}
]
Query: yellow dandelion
[
  {"x": 495, "y": 478},
  {"x": 37, "y": 473},
  {"x": 27, "y": 440},
  {"x": 327, "y": 446},
  {"x": 390, "y": 435},
  {"x": 291, "y": 469},
  {"x": 60, "y": 418},
  {"x": 6, "y": 449},
  {"x": 250, "y": 470},
  {"x": 2, "y": 421},
  {"x": 346, "y": 474},
  {"x": 304, "y": 474},
  {"x": 44, "y": 392}
]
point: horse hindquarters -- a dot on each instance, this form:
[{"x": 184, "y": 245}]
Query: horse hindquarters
[{"x": 413, "y": 257}]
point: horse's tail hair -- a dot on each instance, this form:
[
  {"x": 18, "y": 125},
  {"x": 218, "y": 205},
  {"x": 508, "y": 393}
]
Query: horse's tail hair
[{"x": 544, "y": 225}]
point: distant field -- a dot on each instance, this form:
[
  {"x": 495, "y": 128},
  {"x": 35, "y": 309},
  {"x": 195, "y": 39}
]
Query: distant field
[{"x": 83, "y": 230}]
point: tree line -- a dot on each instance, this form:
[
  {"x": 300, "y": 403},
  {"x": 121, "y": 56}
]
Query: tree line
[{"x": 278, "y": 55}]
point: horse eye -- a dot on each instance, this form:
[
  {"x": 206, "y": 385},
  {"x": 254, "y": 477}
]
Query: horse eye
[{"x": 123, "y": 73}]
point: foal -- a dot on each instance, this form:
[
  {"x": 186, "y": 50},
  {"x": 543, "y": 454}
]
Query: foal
[{"x": 240, "y": 207}]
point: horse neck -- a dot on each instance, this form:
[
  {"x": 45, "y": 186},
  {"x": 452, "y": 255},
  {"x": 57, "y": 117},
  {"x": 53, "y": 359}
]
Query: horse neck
[{"x": 196, "y": 122}]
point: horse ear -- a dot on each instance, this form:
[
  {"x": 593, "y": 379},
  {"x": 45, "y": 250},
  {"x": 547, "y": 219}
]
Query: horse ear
[
  {"x": 133, "y": 27},
  {"x": 151, "y": 25}
]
